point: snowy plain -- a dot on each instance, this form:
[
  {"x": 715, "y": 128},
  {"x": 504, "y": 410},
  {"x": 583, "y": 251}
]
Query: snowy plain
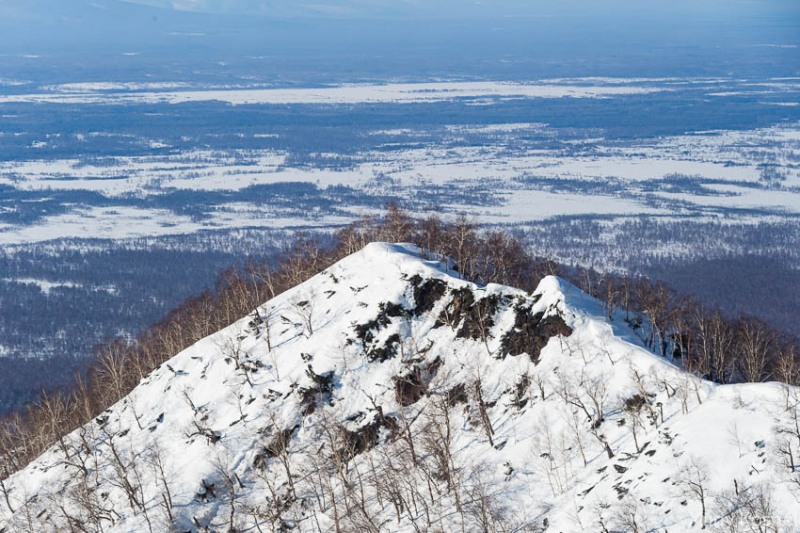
[{"x": 719, "y": 173}]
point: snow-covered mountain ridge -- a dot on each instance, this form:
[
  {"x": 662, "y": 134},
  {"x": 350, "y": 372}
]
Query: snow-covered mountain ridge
[{"x": 386, "y": 394}]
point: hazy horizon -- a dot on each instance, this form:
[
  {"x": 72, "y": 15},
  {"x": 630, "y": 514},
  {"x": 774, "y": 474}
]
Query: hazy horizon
[{"x": 48, "y": 41}]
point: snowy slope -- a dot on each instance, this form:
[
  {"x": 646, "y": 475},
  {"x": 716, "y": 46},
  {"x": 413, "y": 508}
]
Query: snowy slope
[{"x": 385, "y": 344}]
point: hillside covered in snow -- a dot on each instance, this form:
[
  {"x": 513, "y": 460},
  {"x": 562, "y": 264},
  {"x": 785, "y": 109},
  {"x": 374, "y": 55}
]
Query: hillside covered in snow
[{"x": 388, "y": 394}]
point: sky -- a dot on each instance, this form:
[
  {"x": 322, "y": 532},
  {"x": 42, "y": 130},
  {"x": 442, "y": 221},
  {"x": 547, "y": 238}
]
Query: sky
[
  {"x": 475, "y": 8},
  {"x": 407, "y": 30},
  {"x": 425, "y": 9}
]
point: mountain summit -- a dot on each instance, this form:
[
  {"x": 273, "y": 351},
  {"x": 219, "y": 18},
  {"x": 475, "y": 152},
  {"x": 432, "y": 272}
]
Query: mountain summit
[{"x": 388, "y": 394}]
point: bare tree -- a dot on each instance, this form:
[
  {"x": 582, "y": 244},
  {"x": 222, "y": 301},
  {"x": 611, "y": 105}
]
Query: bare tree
[
  {"x": 484, "y": 505},
  {"x": 228, "y": 486},
  {"x": 628, "y": 515},
  {"x": 541, "y": 382},
  {"x": 266, "y": 324},
  {"x": 694, "y": 480},
  {"x": 280, "y": 446},
  {"x": 787, "y": 432},
  {"x": 92, "y": 510},
  {"x": 398, "y": 224},
  {"x": 734, "y": 437},
  {"x": 575, "y": 424},
  {"x": 657, "y": 304},
  {"x": 483, "y": 322},
  {"x": 611, "y": 292},
  {"x": 110, "y": 371},
  {"x": 640, "y": 380},
  {"x": 233, "y": 351},
  {"x": 122, "y": 473},
  {"x": 634, "y": 422},
  {"x": 483, "y": 411},
  {"x": 786, "y": 368},
  {"x": 754, "y": 343},
  {"x": 749, "y": 510},
  {"x": 715, "y": 337},
  {"x": 305, "y": 310},
  {"x": 438, "y": 441},
  {"x": 595, "y": 392},
  {"x": 555, "y": 452},
  {"x": 162, "y": 475},
  {"x": 460, "y": 238}
]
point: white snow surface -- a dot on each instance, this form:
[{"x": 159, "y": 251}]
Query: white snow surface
[
  {"x": 526, "y": 185},
  {"x": 343, "y": 94},
  {"x": 729, "y": 436}
]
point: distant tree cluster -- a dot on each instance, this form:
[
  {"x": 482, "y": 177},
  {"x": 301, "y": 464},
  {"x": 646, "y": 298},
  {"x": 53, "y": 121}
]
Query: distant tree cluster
[
  {"x": 98, "y": 288},
  {"x": 766, "y": 286},
  {"x": 703, "y": 338},
  {"x": 706, "y": 342}
]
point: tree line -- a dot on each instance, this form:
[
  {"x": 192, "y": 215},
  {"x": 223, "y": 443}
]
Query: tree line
[{"x": 702, "y": 339}]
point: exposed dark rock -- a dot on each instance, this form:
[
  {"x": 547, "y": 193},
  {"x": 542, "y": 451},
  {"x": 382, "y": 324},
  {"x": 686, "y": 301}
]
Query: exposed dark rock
[
  {"x": 308, "y": 401},
  {"x": 531, "y": 333},
  {"x": 278, "y": 444},
  {"x": 454, "y": 312},
  {"x": 479, "y": 318},
  {"x": 323, "y": 382},
  {"x": 255, "y": 321},
  {"x": 521, "y": 391},
  {"x": 366, "y": 333},
  {"x": 409, "y": 388},
  {"x": 472, "y": 317},
  {"x": 366, "y": 437},
  {"x": 426, "y": 293},
  {"x": 457, "y": 394},
  {"x": 387, "y": 351},
  {"x": 386, "y": 311},
  {"x": 433, "y": 367},
  {"x": 356, "y": 417},
  {"x": 206, "y": 492},
  {"x": 635, "y": 403},
  {"x": 319, "y": 391}
]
